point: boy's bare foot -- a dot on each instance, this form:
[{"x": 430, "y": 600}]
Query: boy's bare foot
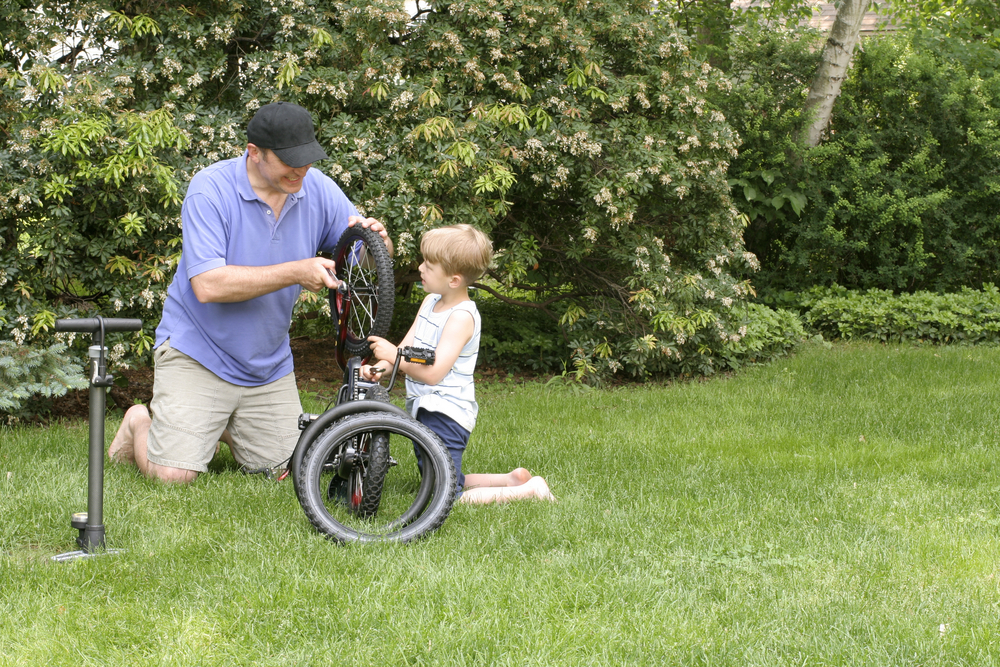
[
  {"x": 539, "y": 489},
  {"x": 122, "y": 449},
  {"x": 519, "y": 476},
  {"x": 533, "y": 488}
]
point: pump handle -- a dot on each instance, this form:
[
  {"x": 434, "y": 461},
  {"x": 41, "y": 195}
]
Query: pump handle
[{"x": 93, "y": 324}]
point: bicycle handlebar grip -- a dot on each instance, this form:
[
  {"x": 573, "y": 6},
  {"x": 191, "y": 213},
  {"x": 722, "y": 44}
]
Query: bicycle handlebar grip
[{"x": 93, "y": 325}]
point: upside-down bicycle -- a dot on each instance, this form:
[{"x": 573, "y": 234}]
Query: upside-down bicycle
[{"x": 364, "y": 470}]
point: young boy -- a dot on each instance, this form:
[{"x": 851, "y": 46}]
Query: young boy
[{"x": 443, "y": 396}]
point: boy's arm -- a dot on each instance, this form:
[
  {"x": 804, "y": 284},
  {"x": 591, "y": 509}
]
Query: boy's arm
[{"x": 384, "y": 351}]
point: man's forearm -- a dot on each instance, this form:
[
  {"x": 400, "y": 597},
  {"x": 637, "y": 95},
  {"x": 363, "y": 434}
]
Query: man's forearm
[{"x": 230, "y": 284}]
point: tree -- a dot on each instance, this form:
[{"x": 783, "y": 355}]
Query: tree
[
  {"x": 713, "y": 23},
  {"x": 834, "y": 64},
  {"x": 901, "y": 195}
]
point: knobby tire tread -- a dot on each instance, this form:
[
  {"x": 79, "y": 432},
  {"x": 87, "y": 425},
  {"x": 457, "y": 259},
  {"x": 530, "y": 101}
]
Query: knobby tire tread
[
  {"x": 378, "y": 466},
  {"x": 378, "y": 459},
  {"x": 356, "y": 342}
]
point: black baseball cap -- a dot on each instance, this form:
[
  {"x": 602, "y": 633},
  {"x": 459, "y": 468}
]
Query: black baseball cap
[{"x": 286, "y": 129}]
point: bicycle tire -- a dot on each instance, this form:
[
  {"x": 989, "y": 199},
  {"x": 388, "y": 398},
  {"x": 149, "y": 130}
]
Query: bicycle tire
[
  {"x": 415, "y": 501},
  {"x": 364, "y": 264},
  {"x": 377, "y": 392},
  {"x": 362, "y": 489},
  {"x": 365, "y": 485}
]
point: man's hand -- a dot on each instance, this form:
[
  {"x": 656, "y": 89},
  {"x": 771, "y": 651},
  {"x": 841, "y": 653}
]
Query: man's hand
[
  {"x": 375, "y": 226},
  {"x": 317, "y": 273}
]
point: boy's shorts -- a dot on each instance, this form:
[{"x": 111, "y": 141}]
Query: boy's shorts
[
  {"x": 191, "y": 407},
  {"x": 454, "y": 437}
]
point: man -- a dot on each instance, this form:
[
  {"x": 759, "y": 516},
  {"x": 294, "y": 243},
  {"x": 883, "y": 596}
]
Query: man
[{"x": 223, "y": 366}]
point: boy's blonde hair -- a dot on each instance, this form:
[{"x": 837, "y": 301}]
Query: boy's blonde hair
[{"x": 458, "y": 249}]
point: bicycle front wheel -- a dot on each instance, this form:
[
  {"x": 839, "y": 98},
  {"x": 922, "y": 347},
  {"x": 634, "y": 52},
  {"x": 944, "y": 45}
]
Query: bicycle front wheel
[
  {"x": 364, "y": 265},
  {"x": 417, "y": 484}
]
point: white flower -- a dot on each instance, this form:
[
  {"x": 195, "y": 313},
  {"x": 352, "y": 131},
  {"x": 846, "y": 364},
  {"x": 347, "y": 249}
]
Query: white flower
[
  {"x": 402, "y": 101},
  {"x": 116, "y": 353}
]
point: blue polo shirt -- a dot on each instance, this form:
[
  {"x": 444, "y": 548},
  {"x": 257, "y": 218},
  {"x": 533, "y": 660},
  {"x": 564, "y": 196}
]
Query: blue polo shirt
[{"x": 226, "y": 223}]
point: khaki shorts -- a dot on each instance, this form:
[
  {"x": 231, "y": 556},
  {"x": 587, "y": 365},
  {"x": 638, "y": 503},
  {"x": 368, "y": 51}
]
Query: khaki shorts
[{"x": 191, "y": 407}]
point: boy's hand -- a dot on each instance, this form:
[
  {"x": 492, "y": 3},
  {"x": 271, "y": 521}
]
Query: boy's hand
[
  {"x": 372, "y": 373},
  {"x": 382, "y": 349}
]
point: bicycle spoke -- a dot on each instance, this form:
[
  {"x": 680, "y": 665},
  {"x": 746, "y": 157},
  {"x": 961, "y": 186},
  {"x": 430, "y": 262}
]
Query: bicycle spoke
[{"x": 365, "y": 267}]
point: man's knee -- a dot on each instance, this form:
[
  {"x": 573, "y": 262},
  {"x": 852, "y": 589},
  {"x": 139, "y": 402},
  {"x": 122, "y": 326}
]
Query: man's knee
[{"x": 171, "y": 475}]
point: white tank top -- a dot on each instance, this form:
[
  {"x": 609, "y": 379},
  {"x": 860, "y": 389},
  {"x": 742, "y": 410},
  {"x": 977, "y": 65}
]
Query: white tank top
[{"x": 455, "y": 394}]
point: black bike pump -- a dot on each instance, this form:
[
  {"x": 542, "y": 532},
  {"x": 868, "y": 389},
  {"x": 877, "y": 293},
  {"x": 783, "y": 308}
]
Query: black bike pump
[{"x": 91, "y": 523}]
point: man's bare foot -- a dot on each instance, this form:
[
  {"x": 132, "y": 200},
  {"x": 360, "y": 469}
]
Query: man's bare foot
[{"x": 122, "y": 449}]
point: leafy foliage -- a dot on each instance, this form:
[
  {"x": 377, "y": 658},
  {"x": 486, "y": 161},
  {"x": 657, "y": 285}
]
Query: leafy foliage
[
  {"x": 515, "y": 338},
  {"x": 27, "y": 372},
  {"x": 770, "y": 333},
  {"x": 902, "y": 196},
  {"x": 969, "y": 316},
  {"x": 717, "y": 24},
  {"x": 762, "y": 334},
  {"x": 968, "y": 31},
  {"x": 578, "y": 135}
]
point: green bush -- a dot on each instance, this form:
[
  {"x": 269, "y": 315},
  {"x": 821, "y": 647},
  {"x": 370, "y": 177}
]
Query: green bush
[
  {"x": 518, "y": 338},
  {"x": 770, "y": 333},
  {"x": 28, "y": 374},
  {"x": 903, "y": 194},
  {"x": 513, "y": 337},
  {"x": 968, "y": 316},
  {"x": 760, "y": 335},
  {"x": 579, "y": 136}
]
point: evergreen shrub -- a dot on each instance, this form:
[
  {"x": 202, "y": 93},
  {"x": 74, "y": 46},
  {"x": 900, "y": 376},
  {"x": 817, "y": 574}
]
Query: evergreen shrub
[
  {"x": 770, "y": 333},
  {"x": 579, "y": 136},
  {"x": 29, "y": 374}
]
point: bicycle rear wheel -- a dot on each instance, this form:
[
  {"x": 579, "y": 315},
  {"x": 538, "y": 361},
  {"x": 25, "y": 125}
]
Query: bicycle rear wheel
[
  {"x": 365, "y": 309},
  {"x": 416, "y": 495},
  {"x": 362, "y": 488}
]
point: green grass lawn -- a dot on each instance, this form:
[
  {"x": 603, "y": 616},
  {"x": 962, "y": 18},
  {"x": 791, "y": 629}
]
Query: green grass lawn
[{"x": 838, "y": 507}]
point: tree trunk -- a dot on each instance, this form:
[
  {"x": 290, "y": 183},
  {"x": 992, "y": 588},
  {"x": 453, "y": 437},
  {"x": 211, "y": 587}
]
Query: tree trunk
[{"x": 833, "y": 69}]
